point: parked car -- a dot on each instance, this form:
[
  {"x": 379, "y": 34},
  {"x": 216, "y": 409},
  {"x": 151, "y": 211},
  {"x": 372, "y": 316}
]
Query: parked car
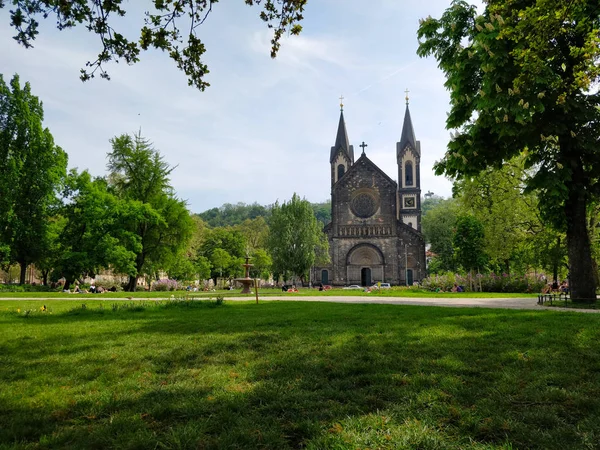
[
  {"x": 352, "y": 286},
  {"x": 381, "y": 286}
]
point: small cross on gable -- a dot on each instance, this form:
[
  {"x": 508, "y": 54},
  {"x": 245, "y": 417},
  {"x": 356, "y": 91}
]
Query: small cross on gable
[{"x": 363, "y": 145}]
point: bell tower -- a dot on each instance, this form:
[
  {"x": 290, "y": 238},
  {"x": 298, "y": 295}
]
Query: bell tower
[
  {"x": 408, "y": 156},
  {"x": 342, "y": 153}
]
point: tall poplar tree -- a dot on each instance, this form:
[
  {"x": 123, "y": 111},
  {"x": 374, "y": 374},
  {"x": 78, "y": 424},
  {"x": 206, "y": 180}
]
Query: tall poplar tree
[
  {"x": 32, "y": 168},
  {"x": 295, "y": 238},
  {"x": 160, "y": 221}
]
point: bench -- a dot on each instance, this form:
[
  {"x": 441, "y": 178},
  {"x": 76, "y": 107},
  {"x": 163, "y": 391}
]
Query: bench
[{"x": 553, "y": 297}]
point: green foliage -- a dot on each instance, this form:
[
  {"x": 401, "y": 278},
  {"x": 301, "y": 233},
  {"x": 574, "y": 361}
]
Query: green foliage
[
  {"x": 163, "y": 29},
  {"x": 322, "y": 212},
  {"x": 522, "y": 80},
  {"x": 484, "y": 283},
  {"x": 509, "y": 215},
  {"x": 230, "y": 215},
  {"x": 92, "y": 237},
  {"x": 295, "y": 238},
  {"x": 255, "y": 232},
  {"x": 438, "y": 226},
  {"x": 224, "y": 248},
  {"x": 161, "y": 222},
  {"x": 262, "y": 264},
  {"x": 32, "y": 168},
  {"x": 469, "y": 243}
]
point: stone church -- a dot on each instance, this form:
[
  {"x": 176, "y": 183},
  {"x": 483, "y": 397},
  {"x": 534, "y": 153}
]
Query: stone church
[{"x": 375, "y": 229}]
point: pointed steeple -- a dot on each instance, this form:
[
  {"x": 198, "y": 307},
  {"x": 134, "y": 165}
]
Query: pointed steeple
[
  {"x": 408, "y": 133},
  {"x": 341, "y": 140}
]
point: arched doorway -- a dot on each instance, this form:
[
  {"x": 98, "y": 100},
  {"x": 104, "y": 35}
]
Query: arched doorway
[
  {"x": 364, "y": 265},
  {"x": 365, "y": 277}
]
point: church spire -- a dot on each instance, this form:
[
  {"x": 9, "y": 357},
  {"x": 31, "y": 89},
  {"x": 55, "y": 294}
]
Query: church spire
[
  {"x": 341, "y": 139},
  {"x": 408, "y": 133}
]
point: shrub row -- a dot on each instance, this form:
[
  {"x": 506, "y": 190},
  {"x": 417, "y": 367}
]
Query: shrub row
[{"x": 485, "y": 282}]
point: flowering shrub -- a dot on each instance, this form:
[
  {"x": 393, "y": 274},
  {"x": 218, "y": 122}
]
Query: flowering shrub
[
  {"x": 484, "y": 282},
  {"x": 164, "y": 285}
]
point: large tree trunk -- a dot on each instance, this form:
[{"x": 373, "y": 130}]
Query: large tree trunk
[
  {"x": 68, "y": 283},
  {"x": 581, "y": 277},
  {"x": 132, "y": 283},
  {"x": 23, "y": 272}
]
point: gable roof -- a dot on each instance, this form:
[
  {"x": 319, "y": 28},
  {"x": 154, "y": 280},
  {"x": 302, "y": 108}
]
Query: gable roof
[{"x": 363, "y": 161}]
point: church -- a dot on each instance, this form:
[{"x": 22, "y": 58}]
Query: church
[{"x": 375, "y": 229}]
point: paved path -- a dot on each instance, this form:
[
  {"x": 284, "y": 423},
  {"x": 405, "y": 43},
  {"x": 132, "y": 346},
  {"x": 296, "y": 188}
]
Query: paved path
[{"x": 454, "y": 302}]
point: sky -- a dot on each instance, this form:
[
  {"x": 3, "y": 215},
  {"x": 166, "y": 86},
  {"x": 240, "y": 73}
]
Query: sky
[{"x": 264, "y": 128}]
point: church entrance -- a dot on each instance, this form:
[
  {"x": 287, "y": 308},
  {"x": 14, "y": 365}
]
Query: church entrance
[
  {"x": 324, "y": 277},
  {"x": 365, "y": 276},
  {"x": 409, "y": 277}
]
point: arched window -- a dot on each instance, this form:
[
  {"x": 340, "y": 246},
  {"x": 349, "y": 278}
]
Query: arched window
[
  {"x": 408, "y": 171},
  {"x": 341, "y": 170}
]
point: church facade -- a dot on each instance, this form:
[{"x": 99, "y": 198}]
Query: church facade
[{"x": 375, "y": 229}]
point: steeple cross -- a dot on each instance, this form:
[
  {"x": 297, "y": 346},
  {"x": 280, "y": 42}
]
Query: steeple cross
[
  {"x": 406, "y": 98},
  {"x": 363, "y": 145},
  {"x": 341, "y": 102}
]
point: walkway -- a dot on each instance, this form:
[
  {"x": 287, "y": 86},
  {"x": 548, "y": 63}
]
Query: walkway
[{"x": 455, "y": 302}]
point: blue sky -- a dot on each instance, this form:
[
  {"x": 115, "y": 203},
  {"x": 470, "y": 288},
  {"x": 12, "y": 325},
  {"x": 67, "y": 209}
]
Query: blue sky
[{"x": 264, "y": 128}]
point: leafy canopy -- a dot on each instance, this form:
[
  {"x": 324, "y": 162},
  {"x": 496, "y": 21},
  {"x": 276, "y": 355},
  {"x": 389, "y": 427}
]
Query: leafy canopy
[{"x": 169, "y": 25}]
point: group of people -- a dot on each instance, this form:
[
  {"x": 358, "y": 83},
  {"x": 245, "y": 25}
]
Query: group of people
[{"x": 554, "y": 287}]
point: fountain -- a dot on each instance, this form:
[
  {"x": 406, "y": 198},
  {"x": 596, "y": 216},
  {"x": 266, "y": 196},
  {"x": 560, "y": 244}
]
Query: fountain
[{"x": 246, "y": 281}]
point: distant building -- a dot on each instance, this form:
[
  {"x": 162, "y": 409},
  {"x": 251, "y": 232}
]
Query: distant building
[{"x": 375, "y": 229}]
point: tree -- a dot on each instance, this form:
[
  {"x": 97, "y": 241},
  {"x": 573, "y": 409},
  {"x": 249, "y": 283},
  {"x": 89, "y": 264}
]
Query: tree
[
  {"x": 262, "y": 263},
  {"x": 161, "y": 222},
  {"x": 438, "y": 227},
  {"x": 469, "y": 243},
  {"x": 32, "y": 168},
  {"x": 225, "y": 248},
  {"x": 522, "y": 79},
  {"x": 92, "y": 237},
  {"x": 295, "y": 237},
  {"x": 162, "y": 29},
  {"x": 509, "y": 216},
  {"x": 255, "y": 232}
]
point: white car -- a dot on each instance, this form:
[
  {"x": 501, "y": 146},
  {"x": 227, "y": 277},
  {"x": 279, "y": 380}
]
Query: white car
[
  {"x": 382, "y": 286},
  {"x": 352, "y": 286}
]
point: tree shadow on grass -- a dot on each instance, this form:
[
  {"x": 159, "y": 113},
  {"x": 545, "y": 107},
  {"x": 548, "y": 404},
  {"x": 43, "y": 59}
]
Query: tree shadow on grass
[{"x": 327, "y": 376}]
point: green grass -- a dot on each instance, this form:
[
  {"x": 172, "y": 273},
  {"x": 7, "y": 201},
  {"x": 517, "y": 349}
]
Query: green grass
[
  {"x": 285, "y": 375},
  {"x": 394, "y": 292}
]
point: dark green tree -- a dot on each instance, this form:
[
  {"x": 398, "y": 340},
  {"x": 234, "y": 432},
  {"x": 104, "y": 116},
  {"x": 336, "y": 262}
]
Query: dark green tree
[
  {"x": 160, "y": 221},
  {"x": 32, "y": 168},
  {"x": 438, "y": 226},
  {"x": 522, "y": 77},
  {"x": 92, "y": 237},
  {"x": 295, "y": 238},
  {"x": 469, "y": 243},
  {"x": 225, "y": 248},
  {"x": 168, "y": 25}
]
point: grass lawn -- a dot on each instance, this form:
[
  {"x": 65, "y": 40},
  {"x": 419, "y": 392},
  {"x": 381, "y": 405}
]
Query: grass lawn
[
  {"x": 394, "y": 292},
  {"x": 285, "y": 375}
]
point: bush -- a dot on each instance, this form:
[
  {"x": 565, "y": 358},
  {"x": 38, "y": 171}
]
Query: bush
[
  {"x": 24, "y": 288},
  {"x": 485, "y": 283},
  {"x": 164, "y": 285}
]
